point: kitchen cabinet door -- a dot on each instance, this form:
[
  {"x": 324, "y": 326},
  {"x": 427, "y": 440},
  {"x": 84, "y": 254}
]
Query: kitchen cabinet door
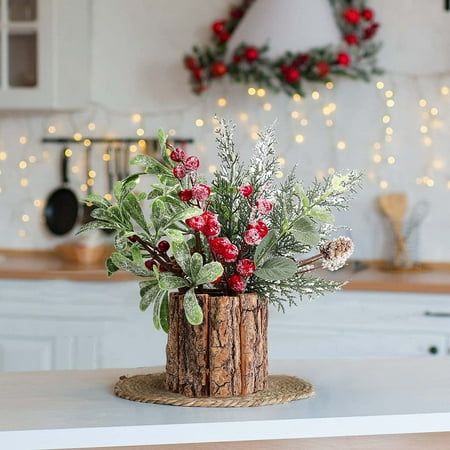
[{"x": 44, "y": 54}]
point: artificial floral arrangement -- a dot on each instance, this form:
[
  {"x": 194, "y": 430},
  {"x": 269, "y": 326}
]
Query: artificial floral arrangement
[
  {"x": 354, "y": 57},
  {"x": 240, "y": 237}
]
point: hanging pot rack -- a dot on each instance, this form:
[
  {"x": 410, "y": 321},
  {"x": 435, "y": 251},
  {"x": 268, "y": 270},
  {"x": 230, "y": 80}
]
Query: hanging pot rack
[{"x": 150, "y": 141}]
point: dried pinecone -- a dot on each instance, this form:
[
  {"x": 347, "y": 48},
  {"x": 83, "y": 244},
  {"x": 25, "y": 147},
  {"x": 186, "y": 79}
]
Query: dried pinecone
[{"x": 336, "y": 252}]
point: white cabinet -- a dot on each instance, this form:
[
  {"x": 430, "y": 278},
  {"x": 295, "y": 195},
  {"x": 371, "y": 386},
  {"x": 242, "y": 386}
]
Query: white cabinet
[
  {"x": 88, "y": 325},
  {"x": 44, "y": 54}
]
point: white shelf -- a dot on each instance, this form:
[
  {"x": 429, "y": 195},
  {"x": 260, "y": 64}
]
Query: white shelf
[{"x": 76, "y": 409}]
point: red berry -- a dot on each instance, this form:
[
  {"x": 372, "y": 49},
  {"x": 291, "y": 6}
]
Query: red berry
[
  {"x": 301, "y": 59},
  {"x": 236, "y": 283},
  {"x": 261, "y": 227},
  {"x": 291, "y": 75},
  {"x": 201, "y": 192},
  {"x": 163, "y": 246},
  {"x": 251, "y": 54},
  {"x": 197, "y": 73},
  {"x": 236, "y": 13},
  {"x": 218, "y": 69},
  {"x": 196, "y": 223},
  {"x": 190, "y": 63},
  {"x": 179, "y": 172},
  {"x": 212, "y": 228},
  {"x": 322, "y": 69},
  {"x": 351, "y": 15},
  {"x": 217, "y": 244},
  {"x": 343, "y": 59},
  {"x": 370, "y": 32},
  {"x": 246, "y": 190},
  {"x": 133, "y": 238},
  {"x": 368, "y": 14},
  {"x": 224, "y": 36},
  {"x": 237, "y": 58},
  {"x": 192, "y": 163},
  {"x": 252, "y": 236},
  {"x": 351, "y": 39},
  {"x": 185, "y": 195},
  {"x": 150, "y": 263},
  {"x": 264, "y": 206},
  {"x": 245, "y": 267},
  {"x": 208, "y": 215},
  {"x": 218, "y": 26},
  {"x": 229, "y": 253},
  {"x": 178, "y": 155}
]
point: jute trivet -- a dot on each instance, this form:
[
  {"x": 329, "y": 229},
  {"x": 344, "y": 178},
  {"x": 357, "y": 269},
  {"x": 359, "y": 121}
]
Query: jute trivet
[{"x": 151, "y": 389}]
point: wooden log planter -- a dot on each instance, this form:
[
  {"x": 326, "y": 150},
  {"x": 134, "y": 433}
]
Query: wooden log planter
[{"x": 226, "y": 355}]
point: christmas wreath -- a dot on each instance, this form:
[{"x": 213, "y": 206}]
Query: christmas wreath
[{"x": 354, "y": 57}]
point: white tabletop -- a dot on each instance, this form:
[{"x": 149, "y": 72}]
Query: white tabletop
[{"x": 77, "y": 409}]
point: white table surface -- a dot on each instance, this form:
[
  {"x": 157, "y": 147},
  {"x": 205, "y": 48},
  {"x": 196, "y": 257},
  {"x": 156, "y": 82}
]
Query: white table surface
[{"x": 77, "y": 409}]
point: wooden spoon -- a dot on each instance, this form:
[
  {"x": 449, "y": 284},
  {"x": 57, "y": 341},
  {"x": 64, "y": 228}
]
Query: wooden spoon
[{"x": 394, "y": 207}]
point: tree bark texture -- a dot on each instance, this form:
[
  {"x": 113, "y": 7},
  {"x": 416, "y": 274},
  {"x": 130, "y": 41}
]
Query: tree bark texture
[{"x": 226, "y": 355}]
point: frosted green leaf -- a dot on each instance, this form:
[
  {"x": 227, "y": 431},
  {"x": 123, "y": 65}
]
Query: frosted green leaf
[
  {"x": 123, "y": 263},
  {"x": 95, "y": 225},
  {"x": 150, "y": 165},
  {"x": 133, "y": 208},
  {"x": 164, "y": 313},
  {"x": 321, "y": 214},
  {"x": 209, "y": 272},
  {"x": 304, "y": 232},
  {"x": 180, "y": 249},
  {"x": 150, "y": 295},
  {"x": 277, "y": 268},
  {"x": 195, "y": 265},
  {"x": 168, "y": 281},
  {"x": 192, "y": 309},
  {"x": 265, "y": 247}
]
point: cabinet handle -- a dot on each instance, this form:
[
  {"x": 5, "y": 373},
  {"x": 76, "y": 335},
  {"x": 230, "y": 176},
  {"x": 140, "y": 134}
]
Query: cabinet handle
[
  {"x": 433, "y": 350},
  {"x": 436, "y": 314}
]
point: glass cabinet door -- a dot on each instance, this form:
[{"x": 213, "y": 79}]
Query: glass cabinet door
[{"x": 19, "y": 43}]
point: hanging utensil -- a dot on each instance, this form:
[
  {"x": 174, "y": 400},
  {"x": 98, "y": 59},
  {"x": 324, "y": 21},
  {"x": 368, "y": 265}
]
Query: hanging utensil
[
  {"x": 118, "y": 163},
  {"x": 126, "y": 161},
  {"x": 87, "y": 209},
  {"x": 109, "y": 177},
  {"x": 62, "y": 207}
]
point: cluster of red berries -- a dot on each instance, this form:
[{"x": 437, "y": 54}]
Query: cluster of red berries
[
  {"x": 163, "y": 246},
  {"x": 207, "y": 223},
  {"x": 355, "y": 17}
]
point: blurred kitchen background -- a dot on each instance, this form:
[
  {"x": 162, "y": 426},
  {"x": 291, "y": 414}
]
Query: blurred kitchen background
[{"x": 93, "y": 71}]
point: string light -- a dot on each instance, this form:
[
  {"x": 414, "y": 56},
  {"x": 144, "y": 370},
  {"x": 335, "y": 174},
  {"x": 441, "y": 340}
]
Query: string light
[
  {"x": 92, "y": 174},
  {"x": 251, "y": 91},
  {"x": 434, "y": 111},
  {"x": 23, "y": 164},
  {"x": 77, "y": 136},
  {"x": 390, "y": 103},
  {"x": 377, "y": 158},
  {"x": 315, "y": 95},
  {"x": 379, "y": 85},
  {"x": 24, "y": 182},
  {"x": 75, "y": 169},
  {"x": 90, "y": 182},
  {"x": 388, "y": 93},
  {"x": 243, "y": 116},
  {"x": 279, "y": 174},
  {"x": 331, "y": 171},
  {"x": 106, "y": 157},
  {"x": 445, "y": 90},
  {"x": 341, "y": 145},
  {"x": 438, "y": 164},
  {"x": 377, "y": 146},
  {"x": 299, "y": 138},
  {"x": 329, "y": 85},
  {"x": 295, "y": 114},
  {"x": 329, "y": 123},
  {"x": 384, "y": 184},
  {"x": 199, "y": 123},
  {"x": 422, "y": 103},
  {"x": 21, "y": 233},
  {"x": 91, "y": 126},
  {"x": 140, "y": 132},
  {"x": 51, "y": 129},
  {"x": 87, "y": 142},
  {"x": 136, "y": 117},
  {"x": 212, "y": 168},
  {"x": 427, "y": 141},
  {"x": 267, "y": 106},
  {"x": 423, "y": 129},
  {"x": 281, "y": 161},
  {"x": 304, "y": 122},
  {"x": 25, "y": 218},
  {"x": 297, "y": 98},
  {"x": 386, "y": 118},
  {"x": 261, "y": 92},
  {"x": 172, "y": 132},
  {"x": 37, "y": 203},
  {"x": 391, "y": 160},
  {"x": 222, "y": 102},
  {"x": 83, "y": 187},
  {"x": 3, "y": 156},
  {"x": 108, "y": 197},
  {"x": 389, "y": 131},
  {"x": 23, "y": 140},
  {"x": 32, "y": 159},
  {"x": 68, "y": 152}
]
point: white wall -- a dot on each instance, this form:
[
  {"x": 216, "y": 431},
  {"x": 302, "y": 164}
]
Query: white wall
[{"x": 137, "y": 47}]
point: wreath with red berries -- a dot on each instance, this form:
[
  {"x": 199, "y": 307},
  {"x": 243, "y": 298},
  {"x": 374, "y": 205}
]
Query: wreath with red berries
[{"x": 354, "y": 57}]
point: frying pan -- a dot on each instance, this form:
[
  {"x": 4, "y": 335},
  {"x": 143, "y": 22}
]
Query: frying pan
[{"x": 61, "y": 208}]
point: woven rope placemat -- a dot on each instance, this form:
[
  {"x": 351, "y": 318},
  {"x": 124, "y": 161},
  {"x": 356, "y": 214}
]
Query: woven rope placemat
[{"x": 151, "y": 389}]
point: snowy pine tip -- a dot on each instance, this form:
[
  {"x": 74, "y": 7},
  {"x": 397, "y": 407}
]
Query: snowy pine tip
[{"x": 336, "y": 252}]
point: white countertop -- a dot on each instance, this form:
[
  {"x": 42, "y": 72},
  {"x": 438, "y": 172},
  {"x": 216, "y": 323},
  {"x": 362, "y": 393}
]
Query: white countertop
[{"x": 77, "y": 409}]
